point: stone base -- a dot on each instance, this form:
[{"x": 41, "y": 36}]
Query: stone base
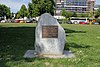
[{"x": 33, "y": 54}]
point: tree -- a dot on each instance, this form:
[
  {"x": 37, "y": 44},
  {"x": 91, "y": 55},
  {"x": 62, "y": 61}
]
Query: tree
[
  {"x": 74, "y": 14},
  {"x": 33, "y": 8},
  {"x": 38, "y": 7},
  {"x": 30, "y": 9},
  {"x": 83, "y": 15},
  {"x": 48, "y": 6},
  {"x": 17, "y": 15},
  {"x": 35, "y": 11},
  {"x": 63, "y": 12},
  {"x": 98, "y": 12},
  {"x": 23, "y": 11},
  {"x": 4, "y": 11},
  {"x": 90, "y": 13},
  {"x": 35, "y": 1},
  {"x": 66, "y": 13}
]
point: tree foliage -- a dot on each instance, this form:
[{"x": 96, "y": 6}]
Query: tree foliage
[
  {"x": 33, "y": 9},
  {"x": 90, "y": 13},
  {"x": 63, "y": 12},
  {"x": 17, "y": 15},
  {"x": 97, "y": 13},
  {"x": 83, "y": 15},
  {"x": 30, "y": 9},
  {"x": 38, "y": 7},
  {"x": 74, "y": 14},
  {"x": 68, "y": 14},
  {"x": 23, "y": 11},
  {"x": 4, "y": 11},
  {"x": 47, "y": 6}
]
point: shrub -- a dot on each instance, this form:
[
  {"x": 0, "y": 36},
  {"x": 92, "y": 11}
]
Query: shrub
[
  {"x": 61, "y": 21},
  {"x": 98, "y": 20}
]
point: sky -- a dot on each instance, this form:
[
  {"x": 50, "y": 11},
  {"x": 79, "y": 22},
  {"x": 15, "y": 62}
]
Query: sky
[{"x": 16, "y": 4}]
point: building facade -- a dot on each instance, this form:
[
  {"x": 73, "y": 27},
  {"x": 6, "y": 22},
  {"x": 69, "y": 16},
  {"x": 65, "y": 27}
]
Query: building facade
[{"x": 78, "y": 6}]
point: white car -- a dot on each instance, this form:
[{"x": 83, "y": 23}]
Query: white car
[
  {"x": 3, "y": 21},
  {"x": 95, "y": 23}
]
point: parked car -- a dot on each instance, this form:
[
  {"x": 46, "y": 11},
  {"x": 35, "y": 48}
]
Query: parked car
[
  {"x": 95, "y": 23},
  {"x": 82, "y": 22},
  {"x": 3, "y": 21},
  {"x": 22, "y": 21},
  {"x": 29, "y": 20},
  {"x": 69, "y": 22},
  {"x": 16, "y": 21},
  {"x": 35, "y": 21},
  {"x": 12, "y": 20}
]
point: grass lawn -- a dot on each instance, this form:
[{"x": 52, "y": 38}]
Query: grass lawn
[{"x": 82, "y": 40}]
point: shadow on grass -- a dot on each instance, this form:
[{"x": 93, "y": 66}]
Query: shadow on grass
[
  {"x": 67, "y": 47},
  {"x": 74, "y": 45},
  {"x": 35, "y": 59},
  {"x": 14, "y": 42},
  {"x": 73, "y": 31}
]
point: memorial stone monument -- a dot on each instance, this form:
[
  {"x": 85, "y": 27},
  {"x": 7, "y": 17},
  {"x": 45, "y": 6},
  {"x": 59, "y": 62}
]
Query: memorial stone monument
[
  {"x": 49, "y": 39},
  {"x": 50, "y": 36}
]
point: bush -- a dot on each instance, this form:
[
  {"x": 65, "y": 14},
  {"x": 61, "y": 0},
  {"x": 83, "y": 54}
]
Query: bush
[
  {"x": 61, "y": 21},
  {"x": 98, "y": 20},
  {"x": 83, "y": 15}
]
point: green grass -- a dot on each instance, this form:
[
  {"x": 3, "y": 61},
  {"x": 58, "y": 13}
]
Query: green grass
[{"x": 82, "y": 40}]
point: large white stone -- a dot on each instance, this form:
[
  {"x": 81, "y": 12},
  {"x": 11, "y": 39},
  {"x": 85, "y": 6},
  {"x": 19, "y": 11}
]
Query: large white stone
[{"x": 49, "y": 46}]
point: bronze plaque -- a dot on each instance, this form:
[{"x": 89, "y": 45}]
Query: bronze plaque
[{"x": 49, "y": 31}]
